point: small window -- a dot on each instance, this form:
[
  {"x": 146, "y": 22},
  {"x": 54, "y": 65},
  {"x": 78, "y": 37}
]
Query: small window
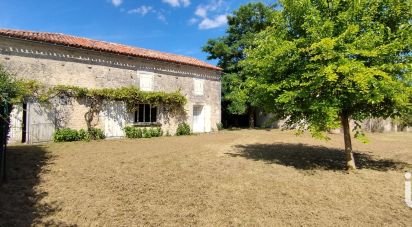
[
  {"x": 146, "y": 81},
  {"x": 145, "y": 113},
  {"x": 198, "y": 86}
]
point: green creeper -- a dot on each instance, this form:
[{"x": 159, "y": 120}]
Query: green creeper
[
  {"x": 324, "y": 62},
  {"x": 229, "y": 50}
]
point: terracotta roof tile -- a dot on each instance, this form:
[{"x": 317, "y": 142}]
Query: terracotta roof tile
[{"x": 73, "y": 41}]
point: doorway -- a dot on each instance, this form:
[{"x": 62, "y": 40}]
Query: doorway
[{"x": 198, "y": 119}]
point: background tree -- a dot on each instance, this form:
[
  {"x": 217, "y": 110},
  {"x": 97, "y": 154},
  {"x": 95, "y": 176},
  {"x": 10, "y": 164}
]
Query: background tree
[
  {"x": 324, "y": 62},
  {"x": 9, "y": 91},
  {"x": 244, "y": 24}
]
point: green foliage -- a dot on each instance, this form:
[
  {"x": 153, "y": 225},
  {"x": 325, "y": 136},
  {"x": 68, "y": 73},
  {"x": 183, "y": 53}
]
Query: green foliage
[
  {"x": 183, "y": 129},
  {"x": 9, "y": 90},
  {"x": 146, "y": 133},
  {"x": 96, "y": 134},
  {"x": 405, "y": 120},
  {"x": 8, "y": 86},
  {"x": 230, "y": 49},
  {"x": 131, "y": 95},
  {"x": 133, "y": 132},
  {"x": 323, "y": 60},
  {"x": 219, "y": 126},
  {"x": 68, "y": 135},
  {"x": 137, "y": 132}
]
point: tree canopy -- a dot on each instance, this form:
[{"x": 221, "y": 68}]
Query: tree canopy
[
  {"x": 245, "y": 22},
  {"x": 323, "y": 62}
]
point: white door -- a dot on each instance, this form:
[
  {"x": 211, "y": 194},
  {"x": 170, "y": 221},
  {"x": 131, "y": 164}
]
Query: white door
[
  {"x": 115, "y": 115},
  {"x": 16, "y": 124},
  {"x": 41, "y": 123},
  {"x": 198, "y": 119}
]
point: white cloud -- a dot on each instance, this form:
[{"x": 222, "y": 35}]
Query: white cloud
[
  {"x": 117, "y": 2},
  {"x": 193, "y": 21},
  {"x": 142, "y": 10},
  {"x": 201, "y": 11},
  {"x": 186, "y": 3},
  {"x": 216, "y": 22},
  {"x": 177, "y": 3},
  {"x": 161, "y": 17},
  {"x": 218, "y": 18}
]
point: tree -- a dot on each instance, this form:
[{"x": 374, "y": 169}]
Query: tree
[
  {"x": 9, "y": 89},
  {"x": 229, "y": 50},
  {"x": 324, "y": 62}
]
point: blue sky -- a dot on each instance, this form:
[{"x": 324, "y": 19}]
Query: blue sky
[{"x": 175, "y": 26}]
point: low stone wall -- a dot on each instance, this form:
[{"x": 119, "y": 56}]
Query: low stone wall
[{"x": 368, "y": 125}]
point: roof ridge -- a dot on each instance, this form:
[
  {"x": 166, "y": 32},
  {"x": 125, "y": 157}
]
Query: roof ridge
[{"x": 101, "y": 45}]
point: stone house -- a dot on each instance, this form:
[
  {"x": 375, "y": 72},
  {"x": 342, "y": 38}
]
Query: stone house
[{"x": 58, "y": 59}]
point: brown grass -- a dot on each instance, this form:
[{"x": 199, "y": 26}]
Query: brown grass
[{"x": 246, "y": 177}]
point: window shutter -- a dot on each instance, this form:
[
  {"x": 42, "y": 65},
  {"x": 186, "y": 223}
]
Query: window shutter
[
  {"x": 198, "y": 86},
  {"x": 146, "y": 81}
]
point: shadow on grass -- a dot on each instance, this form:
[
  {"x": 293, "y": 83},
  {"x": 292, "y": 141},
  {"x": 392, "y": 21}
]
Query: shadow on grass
[
  {"x": 20, "y": 202},
  {"x": 307, "y": 157}
]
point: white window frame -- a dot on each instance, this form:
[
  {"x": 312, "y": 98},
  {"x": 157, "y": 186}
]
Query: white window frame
[
  {"x": 146, "y": 77},
  {"x": 198, "y": 86}
]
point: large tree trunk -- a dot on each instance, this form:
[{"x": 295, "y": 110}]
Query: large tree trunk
[
  {"x": 350, "y": 161},
  {"x": 251, "y": 113}
]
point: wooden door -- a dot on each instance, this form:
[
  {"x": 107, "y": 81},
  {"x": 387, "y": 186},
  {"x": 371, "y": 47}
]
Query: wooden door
[
  {"x": 115, "y": 116},
  {"x": 41, "y": 123}
]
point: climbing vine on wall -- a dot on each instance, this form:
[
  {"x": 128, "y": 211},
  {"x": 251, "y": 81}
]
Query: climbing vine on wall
[{"x": 95, "y": 97}]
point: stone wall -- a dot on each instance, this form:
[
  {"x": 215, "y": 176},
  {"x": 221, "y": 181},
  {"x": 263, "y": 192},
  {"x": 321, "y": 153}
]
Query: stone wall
[
  {"x": 54, "y": 65},
  {"x": 265, "y": 120}
]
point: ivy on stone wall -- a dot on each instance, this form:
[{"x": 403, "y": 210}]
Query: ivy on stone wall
[{"x": 131, "y": 96}]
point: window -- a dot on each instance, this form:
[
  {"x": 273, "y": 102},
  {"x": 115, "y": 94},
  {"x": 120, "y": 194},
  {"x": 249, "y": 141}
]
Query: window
[
  {"x": 198, "y": 86},
  {"x": 146, "y": 81},
  {"x": 145, "y": 113}
]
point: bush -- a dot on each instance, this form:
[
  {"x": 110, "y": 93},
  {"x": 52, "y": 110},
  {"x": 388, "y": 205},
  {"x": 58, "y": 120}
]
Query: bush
[
  {"x": 68, "y": 135},
  {"x": 219, "y": 126},
  {"x": 96, "y": 134},
  {"x": 83, "y": 135},
  {"x": 146, "y": 133},
  {"x": 183, "y": 129},
  {"x": 135, "y": 132}
]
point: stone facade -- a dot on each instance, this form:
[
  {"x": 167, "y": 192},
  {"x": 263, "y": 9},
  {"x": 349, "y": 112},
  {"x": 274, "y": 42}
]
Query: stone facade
[{"x": 61, "y": 65}]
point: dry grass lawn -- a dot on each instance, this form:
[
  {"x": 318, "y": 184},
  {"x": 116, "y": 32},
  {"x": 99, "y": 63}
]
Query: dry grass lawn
[{"x": 231, "y": 178}]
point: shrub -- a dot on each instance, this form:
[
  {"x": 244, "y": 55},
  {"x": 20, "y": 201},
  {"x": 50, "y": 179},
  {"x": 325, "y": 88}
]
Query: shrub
[
  {"x": 219, "y": 126},
  {"x": 83, "y": 135},
  {"x": 139, "y": 133},
  {"x": 135, "y": 132},
  {"x": 131, "y": 132},
  {"x": 156, "y": 132},
  {"x": 146, "y": 133},
  {"x": 183, "y": 129},
  {"x": 96, "y": 134},
  {"x": 159, "y": 131},
  {"x": 66, "y": 135}
]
